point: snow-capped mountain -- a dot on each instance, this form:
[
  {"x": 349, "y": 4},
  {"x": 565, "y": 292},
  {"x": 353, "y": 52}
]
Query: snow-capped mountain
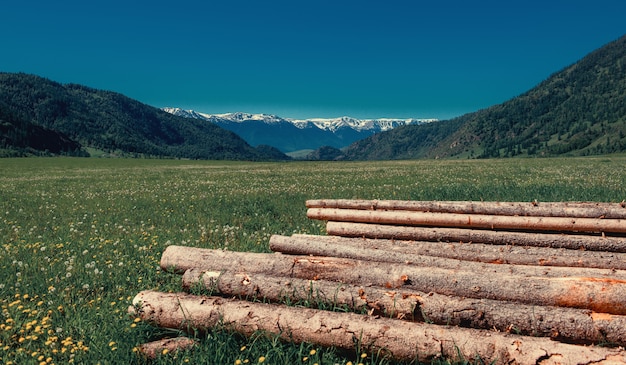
[{"x": 291, "y": 135}]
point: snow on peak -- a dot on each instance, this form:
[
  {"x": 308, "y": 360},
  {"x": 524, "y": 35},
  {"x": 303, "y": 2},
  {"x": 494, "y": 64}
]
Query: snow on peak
[
  {"x": 329, "y": 124},
  {"x": 242, "y": 117}
]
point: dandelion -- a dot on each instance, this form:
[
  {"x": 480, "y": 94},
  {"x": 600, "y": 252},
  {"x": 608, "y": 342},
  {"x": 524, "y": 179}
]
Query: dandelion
[
  {"x": 312, "y": 352},
  {"x": 165, "y": 351},
  {"x": 261, "y": 359}
]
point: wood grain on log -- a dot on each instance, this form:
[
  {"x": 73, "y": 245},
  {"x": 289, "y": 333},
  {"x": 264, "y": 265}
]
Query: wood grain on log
[
  {"x": 480, "y": 221},
  {"x": 317, "y": 293},
  {"x": 413, "y": 251},
  {"x": 437, "y": 234},
  {"x": 539, "y": 209},
  {"x": 565, "y": 324},
  {"x": 152, "y": 350},
  {"x": 603, "y": 295},
  {"x": 401, "y": 340}
]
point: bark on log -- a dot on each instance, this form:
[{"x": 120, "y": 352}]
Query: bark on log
[
  {"x": 480, "y": 221},
  {"x": 179, "y": 259},
  {"x": 382, "y": 231},
  {"x": 152, "y": 350},
  {"x": 281, "y": 244},
  {"x": 412, "y": 251},
  {"x": 602, "y": 295},
  {"x": 539, "y": 209},
  {"x": 401, "y": 340},
  {"x": 318, "y": 293},
  {"x": 564, "y": 324}
]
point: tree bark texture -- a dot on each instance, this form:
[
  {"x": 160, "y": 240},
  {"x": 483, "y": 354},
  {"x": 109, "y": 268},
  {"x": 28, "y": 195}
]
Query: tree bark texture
[
  {"x": 480, "y": 221},
  {"x": 438, "y": 234},
  {"x": 182, "y": 258},
  {"x": 152, "y": 350},
  {"x": 539, "y": 209},
  {"x": 414, "y": 251},
  {"x": 319, "y": 293},
  {"x": 401, "y": 340},
  {"x": 564, "y": 324},
  {"x": 605, "y": 295}
]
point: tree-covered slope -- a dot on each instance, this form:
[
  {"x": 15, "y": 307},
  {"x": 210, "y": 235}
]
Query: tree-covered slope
[
  {"x": 580, "y": 110},
  {"x": 19, "y": 137},
  {"x": 112, "y": 122}
]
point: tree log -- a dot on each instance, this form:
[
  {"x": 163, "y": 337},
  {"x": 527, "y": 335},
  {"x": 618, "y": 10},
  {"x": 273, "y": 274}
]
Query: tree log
[
  {"x": 414, "y": 251},
  {"x": 538, "y": 209},
  {"x": 318, "y": 293},
  {"x": 602, "y": 295},
  {"x": 480, "y": 221},
  {"x": 383, "y": 231},
  {"x": 401, "y": 340},
  {"x": 152, "y": 350},
  {"x": 179, "y": 259},
  {"x": 564, "y": 324}
]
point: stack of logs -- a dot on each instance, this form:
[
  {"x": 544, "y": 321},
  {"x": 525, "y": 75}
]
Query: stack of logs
[{"x": 504, "y": 283}]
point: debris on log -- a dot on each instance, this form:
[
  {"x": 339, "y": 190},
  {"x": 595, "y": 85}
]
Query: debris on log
[
  {"x": 401, "y": 340},
  {"x": 511, "y": 238}
]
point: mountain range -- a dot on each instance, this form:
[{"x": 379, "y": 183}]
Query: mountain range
[
  {"x": 291, "y": 135},
  {"x": 579, "y": 110}
]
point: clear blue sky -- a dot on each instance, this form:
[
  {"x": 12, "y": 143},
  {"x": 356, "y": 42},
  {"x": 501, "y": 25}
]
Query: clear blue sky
[{"x": 422, "y": 59}]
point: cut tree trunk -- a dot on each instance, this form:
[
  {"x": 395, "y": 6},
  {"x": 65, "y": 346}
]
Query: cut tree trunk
[
  {"x": 319, "y": 293},
  {"x": 436, "y": 234},
  {"x": 182, "y": 258},
  {"x": 603, "y": 295},
  {"x": 153, "y": 349},
  {"x": 539, "y": 209},
  {"x": 411, "y": 251},
  {"x": 401, "y": 340},
  {"x": 480, "y": 221},
  {"x": 564, "y": 324}
]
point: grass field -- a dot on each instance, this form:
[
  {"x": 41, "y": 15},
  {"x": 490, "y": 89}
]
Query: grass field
[{"x": 81, "y": 237}]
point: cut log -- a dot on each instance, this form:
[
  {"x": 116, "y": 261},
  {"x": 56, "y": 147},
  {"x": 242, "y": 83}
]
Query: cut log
[
  {"x": 412, "y": 251},
  {"x": 383, "y": 231},
  {"x": 317, "y": 293},
  {"x": 603, "y": 295},
  {"x": 286, "y": 244},
  {"x": 179, "y": 259},
  {"x": 564, "y": 324},
  {"x": 152, "y": 350},
  {"x": 480, "y": 221},
  {"x": 401, "y": 340},
  {"x": 538, "y": 209}
]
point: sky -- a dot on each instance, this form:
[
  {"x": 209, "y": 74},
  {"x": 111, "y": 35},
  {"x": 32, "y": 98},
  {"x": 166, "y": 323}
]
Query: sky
[{"x": 307, "y": 59}]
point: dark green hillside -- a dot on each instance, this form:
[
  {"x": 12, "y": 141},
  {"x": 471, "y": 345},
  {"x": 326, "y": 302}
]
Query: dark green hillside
[
  {"x": 580, "y": 110},
  {"x": 114, "y": 123},
  {"x": 22, "y": 138}
]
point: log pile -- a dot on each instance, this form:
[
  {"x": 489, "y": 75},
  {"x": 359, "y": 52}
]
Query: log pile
[{"x": 500, "y": 282}]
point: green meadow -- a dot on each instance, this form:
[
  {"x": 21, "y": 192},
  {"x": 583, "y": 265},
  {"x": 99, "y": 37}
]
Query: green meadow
[{"x": 79, "y": 238}]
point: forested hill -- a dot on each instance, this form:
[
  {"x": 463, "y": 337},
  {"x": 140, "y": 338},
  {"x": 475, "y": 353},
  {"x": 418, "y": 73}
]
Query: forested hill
[
  {"x": 580, "y": 110},
  {"x": 39, "y": 116}
]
